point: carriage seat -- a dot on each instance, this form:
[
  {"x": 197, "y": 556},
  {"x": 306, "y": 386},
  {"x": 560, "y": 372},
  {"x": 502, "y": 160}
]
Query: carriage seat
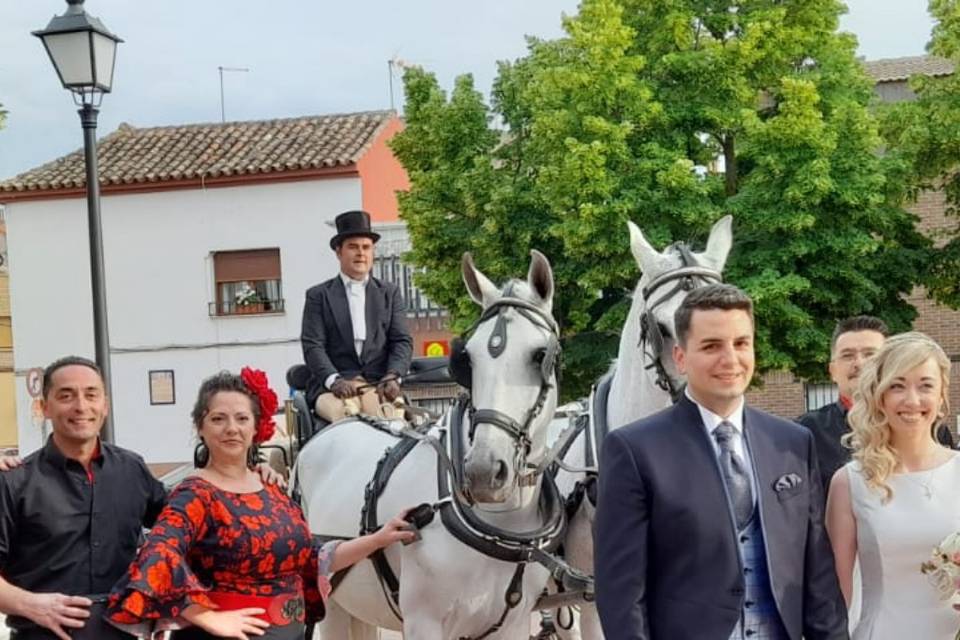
[{"x": 424, "y": 370}]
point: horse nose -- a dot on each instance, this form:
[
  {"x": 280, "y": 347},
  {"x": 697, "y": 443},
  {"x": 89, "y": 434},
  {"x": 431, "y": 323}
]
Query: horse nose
[{"x": 486, "y": 474}]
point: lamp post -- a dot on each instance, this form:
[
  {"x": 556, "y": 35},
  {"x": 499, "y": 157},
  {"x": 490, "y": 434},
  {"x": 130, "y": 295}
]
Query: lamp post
[{"x": 83, "y": 52}]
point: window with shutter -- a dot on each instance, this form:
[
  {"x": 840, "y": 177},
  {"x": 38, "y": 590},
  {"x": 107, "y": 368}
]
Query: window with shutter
[{"x": 247, "y": 282}]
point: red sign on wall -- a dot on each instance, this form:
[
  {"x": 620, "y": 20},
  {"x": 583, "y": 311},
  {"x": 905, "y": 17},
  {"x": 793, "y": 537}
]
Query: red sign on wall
[{"x": 435, "y": 348}]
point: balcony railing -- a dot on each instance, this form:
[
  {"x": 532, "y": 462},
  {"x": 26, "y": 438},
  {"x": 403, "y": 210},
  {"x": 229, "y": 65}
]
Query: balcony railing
[
  {"x": 230, "y": 308},
  {"x": 392, "y": 269}
]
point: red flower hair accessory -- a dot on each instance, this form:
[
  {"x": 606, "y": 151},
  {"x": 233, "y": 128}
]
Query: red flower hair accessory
[{"x": 256, "y": 381}]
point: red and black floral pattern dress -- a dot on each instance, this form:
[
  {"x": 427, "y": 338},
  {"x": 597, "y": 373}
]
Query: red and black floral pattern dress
[{"x": 220, "y": 549}]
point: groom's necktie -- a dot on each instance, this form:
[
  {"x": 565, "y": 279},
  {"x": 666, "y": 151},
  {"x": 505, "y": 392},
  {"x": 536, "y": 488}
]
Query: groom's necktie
[{"x": 734, "y": 474}]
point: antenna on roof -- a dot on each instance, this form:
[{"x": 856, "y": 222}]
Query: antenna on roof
[
  {"x": 223, "y": 115},
  {"x": 399, "y": 65}
]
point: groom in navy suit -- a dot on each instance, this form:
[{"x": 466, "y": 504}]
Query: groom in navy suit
[{"x": 710, "y": 516}]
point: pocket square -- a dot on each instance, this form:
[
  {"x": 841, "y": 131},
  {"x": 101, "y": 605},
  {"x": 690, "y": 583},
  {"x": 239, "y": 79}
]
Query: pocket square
[{"x": 787, "y": 481}]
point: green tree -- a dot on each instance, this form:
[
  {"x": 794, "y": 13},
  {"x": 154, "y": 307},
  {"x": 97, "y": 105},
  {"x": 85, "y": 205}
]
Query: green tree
[
  {"x": 774, "y": 89},
  {"x": 925, "y": 136},
  {"x": 570, "y": 165},
  {"x": 620, "y": 119}
]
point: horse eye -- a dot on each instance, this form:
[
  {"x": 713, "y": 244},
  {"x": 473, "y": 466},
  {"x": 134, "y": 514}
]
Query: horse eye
[
  {"x": 664, "y": 331},
  {"x": 539, "y": 355}
]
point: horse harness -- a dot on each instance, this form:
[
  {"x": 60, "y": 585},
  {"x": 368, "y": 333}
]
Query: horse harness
[
  {"x": 651, "y": 338},
  {"x": 652, "y": 343},
  {"x": 454, "y": 504},
  {"x": 548, "y": 360}
]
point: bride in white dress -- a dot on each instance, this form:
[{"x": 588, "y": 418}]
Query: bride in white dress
[{"x": 900, "y": 496}]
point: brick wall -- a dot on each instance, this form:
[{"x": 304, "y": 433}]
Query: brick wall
[
  {"x": 939, "y": 322},
  {"x": 781, "y": 394},
  {"x": 954, "y": 416}
]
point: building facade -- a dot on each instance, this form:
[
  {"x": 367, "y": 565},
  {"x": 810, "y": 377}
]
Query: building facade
[
  {"x": 212, "y": 234},
  {"x": 8, "y": 411}
]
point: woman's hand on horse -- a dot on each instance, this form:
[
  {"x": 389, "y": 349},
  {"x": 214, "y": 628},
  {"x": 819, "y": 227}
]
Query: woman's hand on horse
[
  {"x": 239, "y": 624},
  {"x": 396, "y": 530}
]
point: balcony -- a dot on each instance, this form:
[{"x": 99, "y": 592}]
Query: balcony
[{"x": 230, "y": 308}]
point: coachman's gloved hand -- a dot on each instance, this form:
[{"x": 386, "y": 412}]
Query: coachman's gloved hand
[
  {"x": 342, "y": 389},
  {"x": 389, "y": 388}
]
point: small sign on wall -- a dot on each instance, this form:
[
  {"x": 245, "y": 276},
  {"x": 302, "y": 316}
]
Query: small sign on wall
[
  {"x": 35, "y": 382},
  {"x": 162, "y": 389},
  {"x": 436, "y": 348}
]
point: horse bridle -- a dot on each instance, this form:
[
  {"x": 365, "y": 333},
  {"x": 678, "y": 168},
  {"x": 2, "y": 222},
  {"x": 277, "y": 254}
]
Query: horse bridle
[
  {"x": 651, "y": 338},
  {"x": 496, "y": 345}
]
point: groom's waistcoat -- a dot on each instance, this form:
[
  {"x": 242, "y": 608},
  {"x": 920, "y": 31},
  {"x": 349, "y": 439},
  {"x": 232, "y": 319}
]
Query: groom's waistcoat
[{"x": 759, "y": 619}]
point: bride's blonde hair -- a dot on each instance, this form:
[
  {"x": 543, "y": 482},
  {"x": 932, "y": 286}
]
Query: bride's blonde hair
[{"x": 870, "y": 432}]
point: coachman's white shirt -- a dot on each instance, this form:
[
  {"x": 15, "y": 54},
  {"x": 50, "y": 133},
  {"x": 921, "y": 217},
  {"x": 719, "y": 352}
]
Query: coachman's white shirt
[{"x": 357, "y": 302}]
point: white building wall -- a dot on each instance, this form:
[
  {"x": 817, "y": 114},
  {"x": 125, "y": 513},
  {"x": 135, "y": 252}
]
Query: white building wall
[{"x": 159, "y": 269}]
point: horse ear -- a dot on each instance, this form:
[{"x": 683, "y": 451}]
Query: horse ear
[
  {"x": 481, "y": 290},
  {"x": 540, "y": 277},
  {"x": 643, "y": 252},
  {"x": 719, "y": 243}
]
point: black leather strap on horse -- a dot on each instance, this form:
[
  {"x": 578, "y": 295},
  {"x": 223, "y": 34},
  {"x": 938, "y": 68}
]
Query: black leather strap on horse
[
  {"x": 512, "y": 597},
  {"x": 370, "y": 523},
  {"x": 501, "y": 544},
  {"x": 598, "y": 418},
  {"x": 650, "y": 335}
]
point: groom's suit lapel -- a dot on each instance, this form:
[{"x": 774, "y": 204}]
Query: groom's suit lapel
[
  {"x": 763, "y": 455},
  {"x": 712, "y": 491}
]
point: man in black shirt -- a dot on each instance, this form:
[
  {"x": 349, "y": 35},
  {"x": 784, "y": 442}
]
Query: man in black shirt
[
  {"x": 71, "y": 515},
  {"x": 854, "y": 341}
]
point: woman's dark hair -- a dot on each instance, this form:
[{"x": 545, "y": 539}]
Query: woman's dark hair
[{"x": 223, "y": 381}]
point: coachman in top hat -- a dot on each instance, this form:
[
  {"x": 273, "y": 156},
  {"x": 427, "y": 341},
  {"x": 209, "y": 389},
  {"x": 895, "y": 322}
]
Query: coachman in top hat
[{"x": 354, "y": 336}]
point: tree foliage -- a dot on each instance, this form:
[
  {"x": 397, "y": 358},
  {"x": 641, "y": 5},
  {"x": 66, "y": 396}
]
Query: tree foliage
[
  {"x": 925, "y": 136},
  {"x": 624, "y": 118}
]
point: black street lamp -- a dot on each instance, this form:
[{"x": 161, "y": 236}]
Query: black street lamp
[{"x": 83, "y": 51}]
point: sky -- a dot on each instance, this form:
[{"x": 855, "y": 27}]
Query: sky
[{"x": 304, "y": 58}]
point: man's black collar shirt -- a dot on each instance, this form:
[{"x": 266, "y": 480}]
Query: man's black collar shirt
[
  {"x": 828, "y": 425},
  {"x": 64, "y": 531}
]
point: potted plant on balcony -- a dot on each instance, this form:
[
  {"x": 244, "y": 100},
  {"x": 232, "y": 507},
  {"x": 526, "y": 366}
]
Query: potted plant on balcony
[{"x": 248, "y": 300}]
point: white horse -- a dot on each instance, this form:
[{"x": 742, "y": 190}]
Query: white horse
[
  {"x": 641, "y": 382},
  {"x": 447, "y": 588}
]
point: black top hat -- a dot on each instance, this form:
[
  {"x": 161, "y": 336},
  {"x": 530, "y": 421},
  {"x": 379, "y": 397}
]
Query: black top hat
[{"x": 352, "y": 223}]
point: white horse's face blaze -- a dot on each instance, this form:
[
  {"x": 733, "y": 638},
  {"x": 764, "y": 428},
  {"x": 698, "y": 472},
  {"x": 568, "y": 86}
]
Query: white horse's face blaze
[{"x": 509, "y": 382}]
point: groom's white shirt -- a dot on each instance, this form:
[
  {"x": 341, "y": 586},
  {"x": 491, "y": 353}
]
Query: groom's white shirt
[{"x": 711, "y": 421}]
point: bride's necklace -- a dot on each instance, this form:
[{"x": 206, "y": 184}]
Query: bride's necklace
[
  {"x": 925, "y": 479},
  {"x": 926, "y": 483}
]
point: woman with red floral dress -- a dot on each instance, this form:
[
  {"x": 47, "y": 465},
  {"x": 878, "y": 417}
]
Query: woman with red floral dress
[{"x": 230, "y": 557}]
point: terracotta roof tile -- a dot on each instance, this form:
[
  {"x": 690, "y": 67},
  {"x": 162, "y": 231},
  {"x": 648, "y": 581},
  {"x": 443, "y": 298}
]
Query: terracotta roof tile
[
  {"x": 896, "y": 69},
  {"x": 132, "y": 155}
]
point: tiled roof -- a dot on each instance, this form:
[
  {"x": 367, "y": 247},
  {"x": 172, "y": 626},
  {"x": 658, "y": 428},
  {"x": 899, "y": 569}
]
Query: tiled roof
[
  {"x": 131, "y": 155},
  {"x": 896, "y": 69}
]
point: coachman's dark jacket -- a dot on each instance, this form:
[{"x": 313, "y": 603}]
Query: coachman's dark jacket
[{"x": 327, "y": 334}]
